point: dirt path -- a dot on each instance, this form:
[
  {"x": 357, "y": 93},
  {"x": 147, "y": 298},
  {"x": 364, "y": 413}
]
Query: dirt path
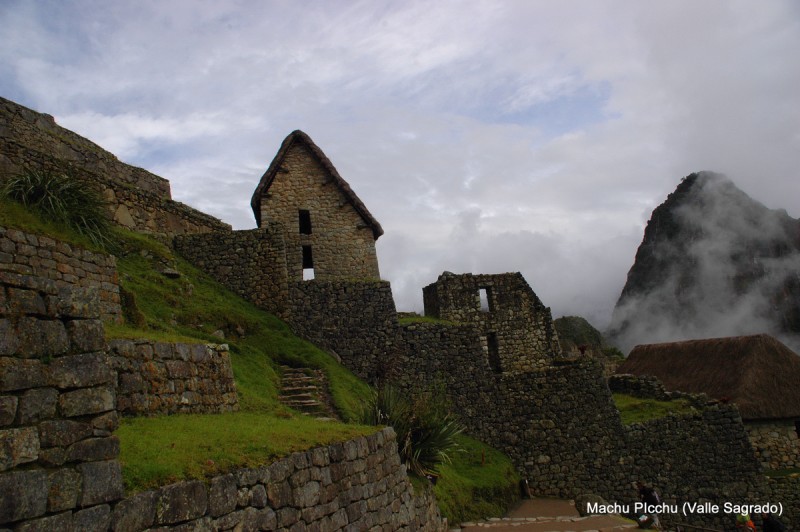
[{"x": 544, "y": 515}]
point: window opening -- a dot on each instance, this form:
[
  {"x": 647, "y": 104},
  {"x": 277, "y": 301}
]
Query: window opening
[
  {"x": 308, "y": 264},
  {"x": 797, "y": 427},
  {"x": 493, "y": 352},
  {"x": 485, "y": 296},
  {"x": 305, "y": 222}
]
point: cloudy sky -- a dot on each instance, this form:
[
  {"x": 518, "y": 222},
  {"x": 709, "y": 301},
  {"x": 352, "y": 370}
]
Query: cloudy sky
[{"x": 485, "y": 136}]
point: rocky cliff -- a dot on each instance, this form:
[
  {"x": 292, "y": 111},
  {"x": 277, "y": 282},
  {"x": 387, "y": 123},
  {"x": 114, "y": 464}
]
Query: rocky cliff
[{"x": 713, "y": 262}]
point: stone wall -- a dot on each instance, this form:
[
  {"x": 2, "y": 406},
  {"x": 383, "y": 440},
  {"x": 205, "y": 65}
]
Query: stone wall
[
  {"x": 786, "y": 490},
  {"x": 137, "y": 198},
  {"x": 517, "y": 328},
  {"x": 354, "y": 321},
  {"x": 342, "y": 244},
  {"x": 169, "y": 378},
  {"x": 776, "y": 443},
  {"x": 649, "y": 387},
  {"x": 27, "y": 259},
  {"x": 58, "y": 457},
  {"x": 251, "y": 263},
  {"x": 356, "y": 485},
  {"x": 704, "y": 457}
]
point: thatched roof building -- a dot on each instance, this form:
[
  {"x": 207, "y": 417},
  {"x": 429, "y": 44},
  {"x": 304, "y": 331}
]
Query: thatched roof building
[{"x": 757, "y": 373}]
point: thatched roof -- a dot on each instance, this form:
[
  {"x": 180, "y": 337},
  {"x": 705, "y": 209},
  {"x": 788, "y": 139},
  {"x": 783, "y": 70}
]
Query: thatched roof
[
  {"x": 757, "y": 373},
  {"x": 275, "y": 165}
]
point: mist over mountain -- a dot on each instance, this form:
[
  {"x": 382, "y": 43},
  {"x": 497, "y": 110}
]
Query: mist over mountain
[{"x": 713, "y": 262}]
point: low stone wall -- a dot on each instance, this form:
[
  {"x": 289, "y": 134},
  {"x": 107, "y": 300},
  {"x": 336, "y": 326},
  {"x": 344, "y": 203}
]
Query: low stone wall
[
  {"x": 649, "y": 387},
  {"x": 58, "y": 457},
  {"x": 250, "y": 263},
  {"x": 775, "y": 443},
  {"x": 356, "y": 485},
  {"x": 137, "y": 198},
  {"x": 169, "y": 378},
  {"x": 49, "y": 265}
]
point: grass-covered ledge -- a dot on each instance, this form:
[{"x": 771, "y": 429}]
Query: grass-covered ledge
[
  {"x": 637, "y": 410},
  {"x": 155, "y": 451}
]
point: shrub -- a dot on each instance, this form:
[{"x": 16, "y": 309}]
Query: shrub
[
  {"x": 426, "y": 431},
  {"x": 63, "y": 198}
]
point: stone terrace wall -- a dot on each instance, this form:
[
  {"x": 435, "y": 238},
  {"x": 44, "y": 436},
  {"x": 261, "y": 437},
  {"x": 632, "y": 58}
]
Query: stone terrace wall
[
  {"x": 250, "y": 263},
  {"x": 356, "y": 485},
  {"x": 58, "y": 458},
  {"x": 28, "y": 259},
  {"x": 139, "y": 200},
  {"x": 702, "y": 457},
  {"x": 355, "y": 321},
  {"x": 167, "y": 378},
  {"x": 649, "y": 387}
]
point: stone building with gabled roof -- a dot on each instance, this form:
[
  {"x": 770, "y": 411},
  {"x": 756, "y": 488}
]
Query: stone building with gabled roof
[
  {"x": 329, "y": 232},
  {"x": 757, "y": 373}
]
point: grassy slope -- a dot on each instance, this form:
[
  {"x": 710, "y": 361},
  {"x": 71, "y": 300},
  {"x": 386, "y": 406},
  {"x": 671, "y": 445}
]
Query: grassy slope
[{"x": 480, "y": 481}]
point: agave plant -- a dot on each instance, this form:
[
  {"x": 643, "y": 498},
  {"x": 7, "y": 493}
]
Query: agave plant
[
  {"x": 61, "y": 197},
  {"x": 426, "y": 431}
]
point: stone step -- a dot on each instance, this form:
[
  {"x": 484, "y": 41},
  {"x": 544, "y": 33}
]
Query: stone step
[{"x": 304, "y": 389}]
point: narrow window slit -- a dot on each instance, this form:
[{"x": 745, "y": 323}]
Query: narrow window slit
[
  {"x": 305, "y": 222},
  {"x": 308, "y": 264}
]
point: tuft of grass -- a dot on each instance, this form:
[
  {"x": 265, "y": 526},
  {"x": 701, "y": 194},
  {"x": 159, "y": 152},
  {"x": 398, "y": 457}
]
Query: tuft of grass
[
  {"x": 159, "y": 450},
  {"x": 62, "y": 198},
  {"x": 426, "y": 430},
  {"x": 479, "y": 482},
  {"x": 636, "y": 410}
]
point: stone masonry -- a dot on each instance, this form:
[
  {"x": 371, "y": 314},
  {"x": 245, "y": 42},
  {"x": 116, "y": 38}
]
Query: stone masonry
[
  {"x": 169, "y": 378},
  {"x": 517, "y": 329},
  {"x": 327, "y": 228},
  {"x": 31, "y": 259},
  {"x": 137, "y": 199},
  {"x": 58, "y": 457}
]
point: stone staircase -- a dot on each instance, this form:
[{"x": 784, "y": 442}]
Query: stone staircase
[
  {"x": 306, "y": 390},
  {"x": 548, "y": 515}
]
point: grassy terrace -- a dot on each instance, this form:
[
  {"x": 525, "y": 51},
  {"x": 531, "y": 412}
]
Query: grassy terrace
[
  {"x": 479, "y": 482},
  {"x": 636, "y": 410}
]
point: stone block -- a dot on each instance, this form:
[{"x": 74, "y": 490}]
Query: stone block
[
  {"x": 222, "y": 495},
  {"x": 135, "y": 513},
  {"x": 8, "y": 410},
  {"x": 64, "y": 489},
  {"x": 63, "y": 432},
  {"x": 178, "y": 369},
  {"x": 258, "y": 496},
  {"x": 41, "y": 338},
  {"x": 62, "y": 521},
  {"x": 23, "y": 495},
  {"x": 102, "y": 482},
  {"x": 18, "y": 446},
  {"x": 181, "y": 502},
  {"x": 94, "y": 519},
  {"x": 108, "y": 422},
  {"x": 75, "y": 303},
  {"x": 87, "y": 401},
  {"x": 26, "y": 302},
  {"x": 52, "y": 457},
  {"x": 37, "y": 405},
  {"x": 9, "y": 341},
  {"x": 86, "y": 335},
  {"x": 94, "y": 449},
  {"x": 279, "y": 494},
  {"x": 80, "y": 371}
]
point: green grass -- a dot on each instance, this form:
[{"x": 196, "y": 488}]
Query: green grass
[
  {"x": 16, "y": 215},
  {"x": 480, "y": 482},
  {"x": 636, "y": 410},
  {"x": 781, "y": 473},
  {"x": 160, "y": 450}
]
